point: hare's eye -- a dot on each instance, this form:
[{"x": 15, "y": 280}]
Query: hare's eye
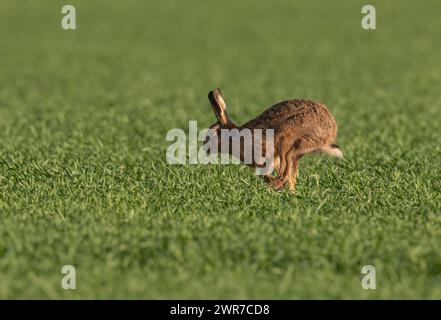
[{"x": 209, "y": 134}]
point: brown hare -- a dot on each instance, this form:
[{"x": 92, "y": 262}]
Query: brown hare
[{"x": 300, "y": 127}]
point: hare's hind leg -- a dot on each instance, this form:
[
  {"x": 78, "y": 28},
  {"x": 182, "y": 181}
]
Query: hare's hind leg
[
  {"x": 286, "y": 168},
  {"x": 292, "y": 169},
  {"x": 292, "y": 181}
]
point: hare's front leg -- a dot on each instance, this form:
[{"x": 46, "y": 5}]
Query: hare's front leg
[{"x": 268, "y": 176}]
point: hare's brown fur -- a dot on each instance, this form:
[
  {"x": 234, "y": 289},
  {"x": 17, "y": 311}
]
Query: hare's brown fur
[{"x": 300, "y": 127}]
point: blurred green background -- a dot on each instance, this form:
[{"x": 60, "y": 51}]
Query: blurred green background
[{"x": 83, "y": 177}]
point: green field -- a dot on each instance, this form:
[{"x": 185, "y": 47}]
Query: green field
[{"x": 84, "y": 179}]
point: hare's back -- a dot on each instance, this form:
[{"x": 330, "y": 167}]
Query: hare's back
[{"x": 297, "y": 112}]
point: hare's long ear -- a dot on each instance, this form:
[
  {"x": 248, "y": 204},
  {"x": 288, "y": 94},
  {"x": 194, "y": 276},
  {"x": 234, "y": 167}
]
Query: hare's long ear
[{"x": 219, "y": 106}]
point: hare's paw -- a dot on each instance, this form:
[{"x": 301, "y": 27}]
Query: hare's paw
[
  {"x": 278, "y": 183},
  {"x": 269, "y": 178}
]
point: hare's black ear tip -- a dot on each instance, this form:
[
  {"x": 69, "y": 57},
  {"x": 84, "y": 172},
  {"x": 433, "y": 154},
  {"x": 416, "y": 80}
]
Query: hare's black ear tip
[
  {"x": 211, "y": 96},
  {"x": 214, "y": 95}
]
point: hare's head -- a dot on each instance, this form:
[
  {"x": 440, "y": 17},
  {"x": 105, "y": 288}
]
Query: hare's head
[{"x": 223, "y": 121}]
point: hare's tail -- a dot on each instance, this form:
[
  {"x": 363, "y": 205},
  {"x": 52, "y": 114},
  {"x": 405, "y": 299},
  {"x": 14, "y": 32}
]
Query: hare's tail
[{"x": 333, "y": 150}]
